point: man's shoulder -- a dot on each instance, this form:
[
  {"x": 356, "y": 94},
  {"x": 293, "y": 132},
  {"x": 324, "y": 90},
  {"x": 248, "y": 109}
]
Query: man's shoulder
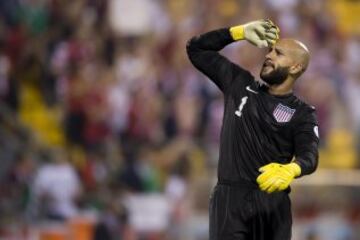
[
  {"x": 305, "y": 111},
  {"x": 303, "y": 105}
]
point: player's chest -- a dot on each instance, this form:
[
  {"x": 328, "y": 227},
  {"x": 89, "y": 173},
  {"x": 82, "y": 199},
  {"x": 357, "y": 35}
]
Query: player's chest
[{"x": 257, "y": 109}]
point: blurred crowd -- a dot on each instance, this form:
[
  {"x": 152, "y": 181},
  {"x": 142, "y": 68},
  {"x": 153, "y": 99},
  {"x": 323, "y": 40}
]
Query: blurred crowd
[{"x": 102, "y": 114}]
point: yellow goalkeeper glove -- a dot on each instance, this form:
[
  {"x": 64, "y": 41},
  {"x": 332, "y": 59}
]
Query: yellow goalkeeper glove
[
  {"x": 277, "y": 177},
  {"x": 261, "y": 33}
]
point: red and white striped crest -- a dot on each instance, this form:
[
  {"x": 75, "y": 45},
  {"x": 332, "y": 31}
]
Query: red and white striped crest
[{"x": 283, "y": 113}]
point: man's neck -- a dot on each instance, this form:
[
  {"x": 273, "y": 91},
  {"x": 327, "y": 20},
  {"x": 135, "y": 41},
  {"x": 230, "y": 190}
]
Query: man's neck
[{"x": 284, "y": 88}]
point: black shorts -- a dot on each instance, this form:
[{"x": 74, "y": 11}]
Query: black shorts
[{"x": 243, "y": 212}]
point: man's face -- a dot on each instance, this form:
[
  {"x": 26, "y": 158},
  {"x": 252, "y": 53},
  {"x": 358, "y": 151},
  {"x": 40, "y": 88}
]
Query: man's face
[{"x": 276, "y": 66}]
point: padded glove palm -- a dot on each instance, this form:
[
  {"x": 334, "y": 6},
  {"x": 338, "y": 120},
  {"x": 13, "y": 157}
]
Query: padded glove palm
[{"x": 261, "y": 33}]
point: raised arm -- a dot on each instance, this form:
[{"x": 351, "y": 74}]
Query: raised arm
[{"x": 203, "y": 50}]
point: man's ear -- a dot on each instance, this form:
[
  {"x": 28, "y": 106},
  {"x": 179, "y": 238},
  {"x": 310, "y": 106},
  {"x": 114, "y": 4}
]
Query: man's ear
[{"x": 296, "y": 69}]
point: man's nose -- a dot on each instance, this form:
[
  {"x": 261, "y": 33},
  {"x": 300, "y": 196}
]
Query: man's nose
[{"x": 269, "y": 55}]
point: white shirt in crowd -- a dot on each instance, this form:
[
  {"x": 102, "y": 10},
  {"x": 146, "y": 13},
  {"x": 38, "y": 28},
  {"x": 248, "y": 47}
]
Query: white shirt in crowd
[{"x": 61, "y": 185}]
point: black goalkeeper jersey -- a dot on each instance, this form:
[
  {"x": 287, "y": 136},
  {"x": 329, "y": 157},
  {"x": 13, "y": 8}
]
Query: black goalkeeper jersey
[{"x": 258, "y": 128}]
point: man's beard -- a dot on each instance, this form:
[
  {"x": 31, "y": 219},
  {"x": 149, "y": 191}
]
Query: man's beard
[{"x": 276, "y": 76}]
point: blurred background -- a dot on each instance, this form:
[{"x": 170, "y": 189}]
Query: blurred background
[{"x": 108, "y": 132}]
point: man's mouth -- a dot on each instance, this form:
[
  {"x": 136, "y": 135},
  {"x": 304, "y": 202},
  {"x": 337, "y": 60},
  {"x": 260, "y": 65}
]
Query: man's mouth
[{"x": 268, "y": 63}]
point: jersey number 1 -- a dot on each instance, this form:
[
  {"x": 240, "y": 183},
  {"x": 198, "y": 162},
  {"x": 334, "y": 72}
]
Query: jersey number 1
[{"x": 241, "y": 106}]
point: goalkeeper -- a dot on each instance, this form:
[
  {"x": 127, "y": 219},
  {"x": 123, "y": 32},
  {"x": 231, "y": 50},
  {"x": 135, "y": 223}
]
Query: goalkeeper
[{"x": 268, "y": 137}]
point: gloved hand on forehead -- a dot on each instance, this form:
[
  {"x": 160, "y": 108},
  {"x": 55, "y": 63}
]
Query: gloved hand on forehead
[{"x": 261, "y": 33}]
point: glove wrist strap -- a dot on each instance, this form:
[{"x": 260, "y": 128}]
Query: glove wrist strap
[
  {"x": 295, "y": 168},
  {"x": 237, "y": 32}
]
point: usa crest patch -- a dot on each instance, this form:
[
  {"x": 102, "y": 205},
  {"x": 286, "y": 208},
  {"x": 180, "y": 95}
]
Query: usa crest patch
[{"x": 283, "y": 113}]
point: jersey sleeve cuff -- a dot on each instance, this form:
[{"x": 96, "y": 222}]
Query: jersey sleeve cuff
[{"x": 302, "y": 172}]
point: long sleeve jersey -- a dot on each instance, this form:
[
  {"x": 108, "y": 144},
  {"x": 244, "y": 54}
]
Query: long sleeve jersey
[{"x": 258, "y": 128}]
